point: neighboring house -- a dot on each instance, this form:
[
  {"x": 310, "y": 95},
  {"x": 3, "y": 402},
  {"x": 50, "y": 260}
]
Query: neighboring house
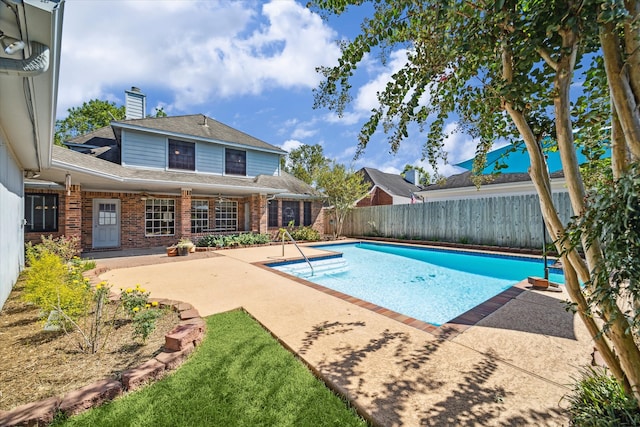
[
  {"x": 30, "y": 32},
  {"x": 388, "y": 188},
  {"x": 513, "y": 178},
  {"x": 147, "y": 182}
]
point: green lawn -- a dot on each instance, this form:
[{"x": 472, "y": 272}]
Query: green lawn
[{"x": 239, "y": 376}]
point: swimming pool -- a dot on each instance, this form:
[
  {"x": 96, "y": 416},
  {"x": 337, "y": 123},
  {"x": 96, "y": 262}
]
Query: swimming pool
[{"x": 431, "y": 285}]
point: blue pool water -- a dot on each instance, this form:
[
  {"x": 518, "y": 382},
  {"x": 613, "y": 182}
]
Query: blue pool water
[{"x": 428, "y": 284}]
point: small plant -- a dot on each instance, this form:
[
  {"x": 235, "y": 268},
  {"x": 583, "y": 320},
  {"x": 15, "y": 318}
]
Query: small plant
[
  {"x": 134, "y": 299},
  {"x": 185, "y": 243},
  {"x": 65, "y": 247},
  {"x": 144, "y": 320},
  {"x": 599, "y": 400},
  {"x": 143, "y": 313}
]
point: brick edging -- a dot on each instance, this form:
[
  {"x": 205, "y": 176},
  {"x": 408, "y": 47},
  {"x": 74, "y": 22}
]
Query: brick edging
[{"x": 180, "y": 342}]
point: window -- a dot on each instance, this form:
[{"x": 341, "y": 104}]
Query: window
[
  {"x": 199, "y": 216},
  {"x": 273, "y": 213},
  {"x": 235, "y": 162},
  {"x": 182, "y": 155},
  {"x": 290, "y": 212},
  {"x": 41, "y": 212},
  {"x": 160, "y": 217},
  {"x": 307, "y": 214},
  {"x": 226, "y": 216},
  {"x": 107, "y": 214}
]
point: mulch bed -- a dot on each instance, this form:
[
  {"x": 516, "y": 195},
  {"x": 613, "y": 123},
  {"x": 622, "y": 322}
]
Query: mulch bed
[{"x": 36, "y": 364}]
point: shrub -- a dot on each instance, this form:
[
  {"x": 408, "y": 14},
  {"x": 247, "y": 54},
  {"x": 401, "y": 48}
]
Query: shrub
[
  {"x": 65, "y": 247},
  {"x": 305, "y": 233},
  {"x": 52, "y": 285},
  {"x": 222, "y": 241},
  {"x": 144, "y": 321},
  {"x": 599, "y": 400},
  {"x": 134, "y": 299}
]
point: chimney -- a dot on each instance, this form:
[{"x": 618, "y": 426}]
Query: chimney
[
  {"x": 135, "y": 104},
  {"x": 412, "y": 176}
]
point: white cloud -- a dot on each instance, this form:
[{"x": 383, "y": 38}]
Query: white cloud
[
  {"x": 197, "y": 51},
  {"x": 290, "y": 144},
  {"x": 303, "y": 133}
]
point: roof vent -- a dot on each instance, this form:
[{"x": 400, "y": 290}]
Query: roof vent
[{"x": 135, "y": 104}]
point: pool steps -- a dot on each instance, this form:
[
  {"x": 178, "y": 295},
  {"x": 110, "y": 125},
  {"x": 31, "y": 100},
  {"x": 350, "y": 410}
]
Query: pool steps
[{"x": 321, "y": 267}]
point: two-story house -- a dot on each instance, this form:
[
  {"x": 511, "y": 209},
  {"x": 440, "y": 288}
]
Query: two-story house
[
  {"x": 30, "y": 32},
  {"x": 147, "y": 182}
]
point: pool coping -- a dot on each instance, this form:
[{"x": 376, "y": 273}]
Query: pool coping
[{"x": 447, "y": 331}]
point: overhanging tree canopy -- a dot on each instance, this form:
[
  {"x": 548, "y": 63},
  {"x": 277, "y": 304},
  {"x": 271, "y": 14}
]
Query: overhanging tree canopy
[{"x": 505, "y": 68}]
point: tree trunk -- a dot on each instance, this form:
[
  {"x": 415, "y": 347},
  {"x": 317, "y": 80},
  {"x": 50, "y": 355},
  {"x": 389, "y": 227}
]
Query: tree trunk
[
  {"x": 619, "y": 155},
  {"x": 621, "y": 91}
]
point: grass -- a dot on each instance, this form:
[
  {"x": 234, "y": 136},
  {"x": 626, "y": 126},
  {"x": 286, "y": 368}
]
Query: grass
[{"x": 239, "y": 376}]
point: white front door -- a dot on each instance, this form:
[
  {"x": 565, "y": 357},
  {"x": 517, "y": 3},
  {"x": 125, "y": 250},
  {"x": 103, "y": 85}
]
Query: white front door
[{"x": 106, "y": 223}]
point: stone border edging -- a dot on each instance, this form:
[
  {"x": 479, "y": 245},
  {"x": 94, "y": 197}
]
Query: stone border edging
[{"x": 180, "y": 342}]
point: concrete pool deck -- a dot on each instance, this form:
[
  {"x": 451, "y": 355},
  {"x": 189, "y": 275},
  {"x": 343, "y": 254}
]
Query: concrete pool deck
[{"x": 511, "y": 368}]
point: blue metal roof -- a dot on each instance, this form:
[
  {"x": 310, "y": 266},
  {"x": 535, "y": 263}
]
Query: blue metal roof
[{"x": 516, "y": 159}]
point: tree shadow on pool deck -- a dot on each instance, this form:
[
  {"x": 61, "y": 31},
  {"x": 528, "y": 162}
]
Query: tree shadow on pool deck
[
  {"x": 534, "y": 313},
  {"x": 473, "y": 401}
]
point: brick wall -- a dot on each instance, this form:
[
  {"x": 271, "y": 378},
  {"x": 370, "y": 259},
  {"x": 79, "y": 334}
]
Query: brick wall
[{"x": 75, "y": 217}]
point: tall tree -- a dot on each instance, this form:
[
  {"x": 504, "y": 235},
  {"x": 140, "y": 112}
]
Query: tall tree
[
  {"x": 342, "y": 189},
  {"x": 505, "y": 68},
  {"x": 305, "y": 162},
  {"x": 90, "y": 116}
]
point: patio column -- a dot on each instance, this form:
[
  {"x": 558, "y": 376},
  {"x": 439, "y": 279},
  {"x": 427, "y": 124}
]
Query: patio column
[
  {"x": 185, "y": 213},
  {"x": 73, "y": 212},
  {"x": 259, "y": 213}
]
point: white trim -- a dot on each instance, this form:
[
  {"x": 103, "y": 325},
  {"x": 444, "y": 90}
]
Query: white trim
[{"x": 487, "y": 190}]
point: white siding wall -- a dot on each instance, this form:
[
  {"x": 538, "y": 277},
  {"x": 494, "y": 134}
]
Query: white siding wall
[
  {"x": 141, "y": 149},
  {"x": 209, "y": 158},
  {"x": 11, "y": 227},
  {"x": 259, "y": 163}
]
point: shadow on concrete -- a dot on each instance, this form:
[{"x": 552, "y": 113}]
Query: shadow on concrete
[
  {"x": 473, "y": 400},
  {"x": 535, "y": 314}
]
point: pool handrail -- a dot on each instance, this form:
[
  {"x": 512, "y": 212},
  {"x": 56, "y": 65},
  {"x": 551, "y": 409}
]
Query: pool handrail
[{"x": 285, "y": 232}]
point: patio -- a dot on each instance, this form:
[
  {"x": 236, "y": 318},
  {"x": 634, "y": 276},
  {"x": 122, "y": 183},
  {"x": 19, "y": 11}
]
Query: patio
[{"x": 511, "y": 368}]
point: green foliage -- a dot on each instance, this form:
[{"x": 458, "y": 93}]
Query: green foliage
[
  {"x": 305, "y": 233},
  {"x": 612, "y": 217},
  {"x": 91, "y": 116},
  {"x": 67, "y": 248},
  {"x": 599, "y": 400},
  {"x": 342, "y": 189},
  {"x": 53, "y": 285},
  {"x": 185, "y": 243},
  {"x": 230, "y": 240},
  {"x": 144, "y": 322},
  {"x": 134, "y": 299},
  {"x": 143, "y": 313},
  {"x": 305, "y": 162}
]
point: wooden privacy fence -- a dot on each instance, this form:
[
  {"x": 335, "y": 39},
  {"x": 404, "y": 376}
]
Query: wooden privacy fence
[{"x": 509, "y": 221}]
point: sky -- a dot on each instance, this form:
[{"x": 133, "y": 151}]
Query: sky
[{"x": 248, "y": 64}]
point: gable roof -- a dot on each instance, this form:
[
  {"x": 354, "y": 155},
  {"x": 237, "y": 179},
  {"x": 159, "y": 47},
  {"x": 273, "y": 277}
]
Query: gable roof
[
  {"x": 393, "y": 184},
  {"x": 97, "y": 174},
  {"x": 194, "y": 126}
]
